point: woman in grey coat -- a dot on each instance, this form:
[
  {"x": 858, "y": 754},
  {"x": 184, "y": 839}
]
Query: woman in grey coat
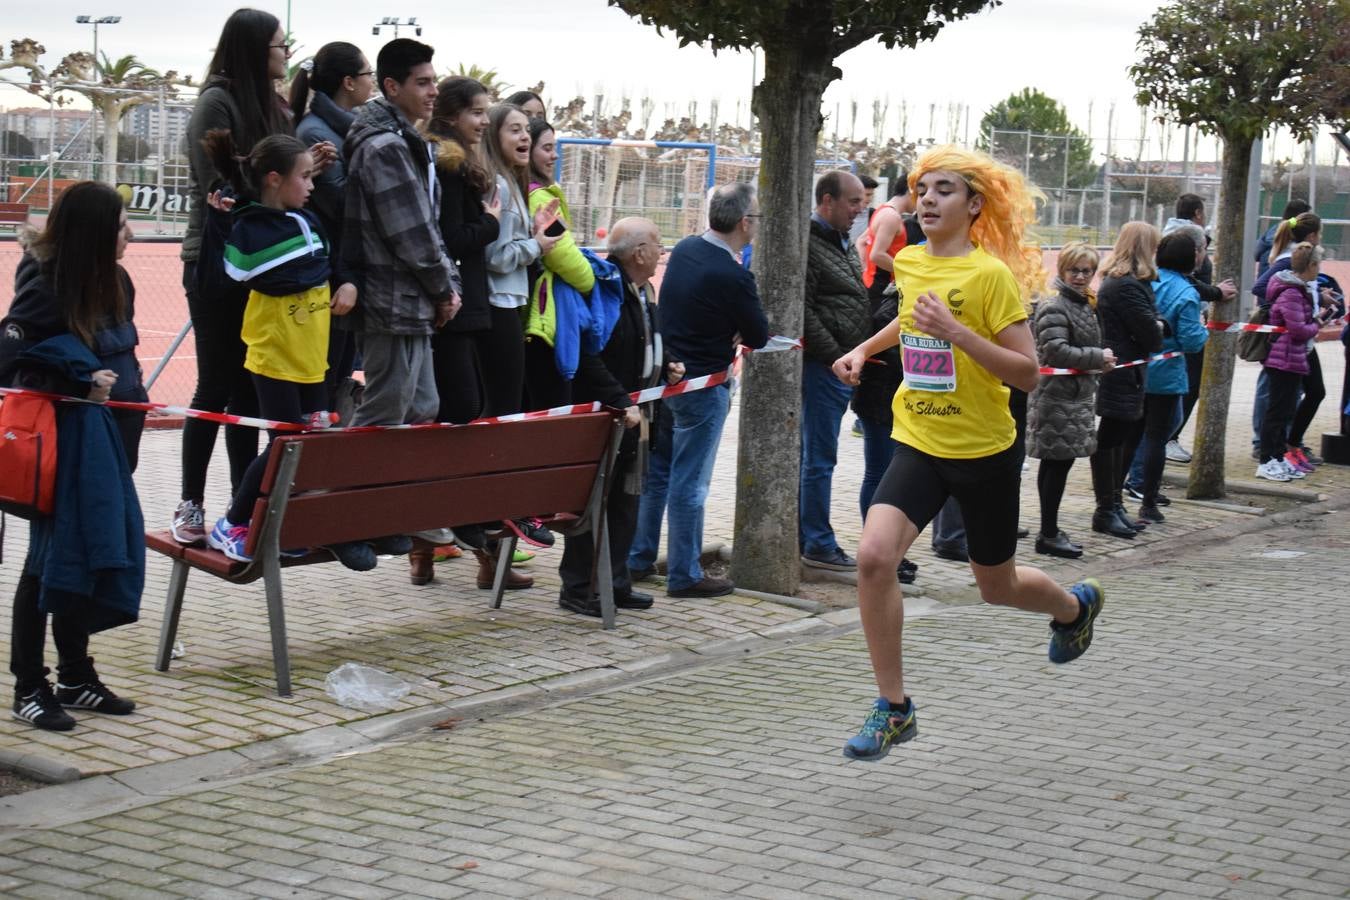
[{"x": 1061, "y": 422}]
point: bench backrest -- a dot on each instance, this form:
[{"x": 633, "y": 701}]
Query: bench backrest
[
  {"x": 13, "y": 212},
  {"x": 349, "y": 486}
]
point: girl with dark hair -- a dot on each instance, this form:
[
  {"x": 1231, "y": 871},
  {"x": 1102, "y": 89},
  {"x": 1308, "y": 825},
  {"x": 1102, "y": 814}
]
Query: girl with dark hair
[
  {"x": 470, "y": 210},
  {"x": 1166, "y": 381},
  {"x": 237, "y": 96},
  {"x": 546, "y": 387},
  {"x": 530, "y": 103},
  {"x": 522, "y": 239},
  {"x": 337, "y": 80},
  {"x": 280, "y": 251},
  {"x": 70, "y": 331}
]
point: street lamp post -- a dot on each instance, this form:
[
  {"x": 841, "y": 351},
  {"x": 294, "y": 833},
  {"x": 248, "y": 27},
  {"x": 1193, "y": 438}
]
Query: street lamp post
[
  {"x": 394, "y": 23},
  {"x": 97, "y": 21}
]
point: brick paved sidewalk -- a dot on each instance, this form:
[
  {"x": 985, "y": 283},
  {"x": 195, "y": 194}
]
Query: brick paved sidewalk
[
  {"x": 446, "y": 642},
  {"x": 1198, "y": 749}
]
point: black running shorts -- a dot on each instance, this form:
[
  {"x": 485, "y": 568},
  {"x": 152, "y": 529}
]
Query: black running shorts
[{"x": 987, "y": 488}]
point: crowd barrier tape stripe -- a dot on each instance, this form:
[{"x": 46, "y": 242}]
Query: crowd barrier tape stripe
[
  {"x": 776, "y": 343},
  {"x": 1171, "y": 354},
  {"x": 1234, "y": 327}
]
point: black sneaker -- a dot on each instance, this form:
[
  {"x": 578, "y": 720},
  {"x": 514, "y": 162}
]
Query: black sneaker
[
  {"x": 41, "y": 709},
  {"x": 1068, "y": 642},
  {"x": 1159, "y": 499},
  {"x": 906, "y": 572},
  {"x": 93, "y": 696},
  {"x": 531, "y": 531},
  {"x": 835, "y": 560}
]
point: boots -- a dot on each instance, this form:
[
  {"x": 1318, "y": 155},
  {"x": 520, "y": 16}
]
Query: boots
[
  {"x": 487, "y": 571},
  {"x": 421, "y": 567}
]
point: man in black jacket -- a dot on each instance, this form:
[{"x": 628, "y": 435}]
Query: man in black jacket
[
  {"x": 836, "y": 320},
  {"x": 631, "y": 361}
]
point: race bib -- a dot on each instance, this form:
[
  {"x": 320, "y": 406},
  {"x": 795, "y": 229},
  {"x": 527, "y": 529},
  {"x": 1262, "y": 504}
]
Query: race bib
[{"x": 929, "y": 363}]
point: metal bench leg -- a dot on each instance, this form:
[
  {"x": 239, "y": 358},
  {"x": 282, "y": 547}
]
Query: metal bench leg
[
  {"x": 506, "y": 552},
  {"x": 276, "y": 618},
  {"x": 173, "y": 607},
  {"x": 604, "y": 578}
]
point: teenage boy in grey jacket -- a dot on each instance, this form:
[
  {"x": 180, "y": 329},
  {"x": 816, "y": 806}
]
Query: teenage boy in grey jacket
[{"x": 391, "y": 244}]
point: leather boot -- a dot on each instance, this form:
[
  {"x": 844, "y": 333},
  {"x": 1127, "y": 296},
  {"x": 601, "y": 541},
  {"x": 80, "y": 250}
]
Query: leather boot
[
  {"x": 421, "y": 566},
  {"x": 1105, "y": 521},
  {"x": 487, "y": 570}
]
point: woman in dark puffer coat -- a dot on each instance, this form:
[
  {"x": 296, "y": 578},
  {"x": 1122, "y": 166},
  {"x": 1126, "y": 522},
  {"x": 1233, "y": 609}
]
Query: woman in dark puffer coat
[
  {"x": 1060, "y": 417},
  {"x": 1130, "y": 329}
]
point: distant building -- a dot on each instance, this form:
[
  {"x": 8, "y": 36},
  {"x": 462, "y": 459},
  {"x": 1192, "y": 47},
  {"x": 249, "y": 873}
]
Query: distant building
[
  {"x": 53, "y": 129},
  {"x": 150, "y": 122}
]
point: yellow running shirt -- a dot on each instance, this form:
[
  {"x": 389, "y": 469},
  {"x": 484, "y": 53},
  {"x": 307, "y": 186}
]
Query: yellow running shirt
[
  {"x": 949, "y": 406},
  {"x": 287, "y": 337}
]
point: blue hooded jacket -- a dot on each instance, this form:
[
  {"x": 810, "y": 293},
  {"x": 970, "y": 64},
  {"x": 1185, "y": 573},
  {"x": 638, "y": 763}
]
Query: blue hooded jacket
[
  {"x": 90, "y": 553},
  {"x": 585, "y": 322},
  {"x": 1179, "y": 306}
]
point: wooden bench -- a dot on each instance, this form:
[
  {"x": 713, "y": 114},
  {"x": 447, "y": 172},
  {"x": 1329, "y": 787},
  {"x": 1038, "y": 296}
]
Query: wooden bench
[
  {"x": 322, "y": 489},
  {"x": 13, "y": 215}
]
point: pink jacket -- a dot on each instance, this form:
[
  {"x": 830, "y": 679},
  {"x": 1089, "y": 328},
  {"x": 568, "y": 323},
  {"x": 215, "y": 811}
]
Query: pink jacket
[{"x": 1290, "y": 306}]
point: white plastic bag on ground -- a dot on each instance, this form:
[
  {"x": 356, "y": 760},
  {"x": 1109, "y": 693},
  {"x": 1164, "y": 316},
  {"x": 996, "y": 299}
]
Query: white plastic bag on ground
[{"x": 360, "y": 687}]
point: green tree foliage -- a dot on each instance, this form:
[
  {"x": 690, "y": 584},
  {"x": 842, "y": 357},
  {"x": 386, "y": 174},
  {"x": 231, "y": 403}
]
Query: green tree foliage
[
  {"x": 801, "y": 40},
  {"x": 1237, "y": 68},
  {"x": 1031, "y": 132},
  {"x": 488, "y": 78}
]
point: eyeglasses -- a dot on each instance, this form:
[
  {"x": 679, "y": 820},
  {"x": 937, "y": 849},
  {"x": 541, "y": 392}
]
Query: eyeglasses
[
  {"x": 1083, "y": 273},
  {"x": 284, "y": 45},
  {"x": 754, "y": 215},
  {"x": 366, "y": 72}
]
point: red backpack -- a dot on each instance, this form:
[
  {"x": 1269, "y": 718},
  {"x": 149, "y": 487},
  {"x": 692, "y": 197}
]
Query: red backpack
[{"x": 27, "y": 455}]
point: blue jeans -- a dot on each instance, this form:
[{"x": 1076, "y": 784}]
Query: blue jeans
[
  {"x": 878, "y": 450},
  {"x": 824, "y": 402},
  {"x": 698, "y": 417},
  {"x": 1135, "y": 478},
  {"x": 651, "y": 510}
]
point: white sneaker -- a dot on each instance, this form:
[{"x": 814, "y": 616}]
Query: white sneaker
[
  {"x": 1177, "y": 453},
  {"x": 1272, "y": 470},
  {"x": 1291, "y": 471}
]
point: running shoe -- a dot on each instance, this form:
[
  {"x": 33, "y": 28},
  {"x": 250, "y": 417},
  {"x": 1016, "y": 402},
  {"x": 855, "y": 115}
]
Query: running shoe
[
  {"x": 1297, "y": 460},
  {"x": 1311, "y": 456},
  {"x": 93, "y": 695},
  {"x": 229, "y": 539},
  {"x": 1159, "y": 499},
  {"x": 444, "y": 552},
  {"x": 40, "y": 708},
  {"x": 1176, "y": 453},
  {"x": 531, "y": 531},
  {"x": 882, "y": 728},
  {"x": 857, "y": 428},
  {"x": 189, "y": 523},
  {"x": 1273, "y": 470},
  {"x": 1293, "y": 473},
  {"x": 1068, "y": 642}
]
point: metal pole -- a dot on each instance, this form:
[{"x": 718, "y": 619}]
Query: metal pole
[
  {"x": 1106, "y": 173},
  {"x": 1312, "y": 170},
  {"x": 159, "y": 157},
  {"x": 96, "y": 64},
  {"x": 168, "y": 354},
  {"x": 1186, "y": 160},
  {"x": 1251, "y": 225}
]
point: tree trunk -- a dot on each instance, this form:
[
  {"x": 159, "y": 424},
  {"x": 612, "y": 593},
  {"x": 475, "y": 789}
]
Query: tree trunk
[
  {"x": 1216, "y": 384},
  {"x": 112, "y": 119},
  {"x": 787, "y": 103}
]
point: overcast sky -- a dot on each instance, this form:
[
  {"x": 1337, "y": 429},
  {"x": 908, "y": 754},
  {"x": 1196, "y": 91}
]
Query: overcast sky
[{"x": 1074, "y": 50}]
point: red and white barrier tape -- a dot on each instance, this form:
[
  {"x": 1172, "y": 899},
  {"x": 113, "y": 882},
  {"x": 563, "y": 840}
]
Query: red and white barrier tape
[
  {"x": 1234, "y": 327},
  {"x": 1171, "y": 354},
  {"x": 775, "y": 344}
]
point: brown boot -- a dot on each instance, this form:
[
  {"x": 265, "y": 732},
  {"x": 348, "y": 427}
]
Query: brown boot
[
  {"x": 421, "y": 566},
  {"x": 487, "y": 570}
]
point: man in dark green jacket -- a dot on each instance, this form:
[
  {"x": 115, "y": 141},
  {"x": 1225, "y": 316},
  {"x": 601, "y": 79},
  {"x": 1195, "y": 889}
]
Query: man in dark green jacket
[{"x": 837, "y": 320}]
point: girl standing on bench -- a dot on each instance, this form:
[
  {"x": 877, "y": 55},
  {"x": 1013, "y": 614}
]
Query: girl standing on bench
[{"x": 280, "y": 250}]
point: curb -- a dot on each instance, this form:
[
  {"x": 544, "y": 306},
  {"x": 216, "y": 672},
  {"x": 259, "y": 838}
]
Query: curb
[{"x": 37, "y": 768}]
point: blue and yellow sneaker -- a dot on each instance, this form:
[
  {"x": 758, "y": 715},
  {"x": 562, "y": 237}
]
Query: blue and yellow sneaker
[
  {"x": 1068, "y": 642},
  {"x": 883, "y": 727}
]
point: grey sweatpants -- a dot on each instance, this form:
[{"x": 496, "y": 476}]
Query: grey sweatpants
[{"x": 400, "y": 380}]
